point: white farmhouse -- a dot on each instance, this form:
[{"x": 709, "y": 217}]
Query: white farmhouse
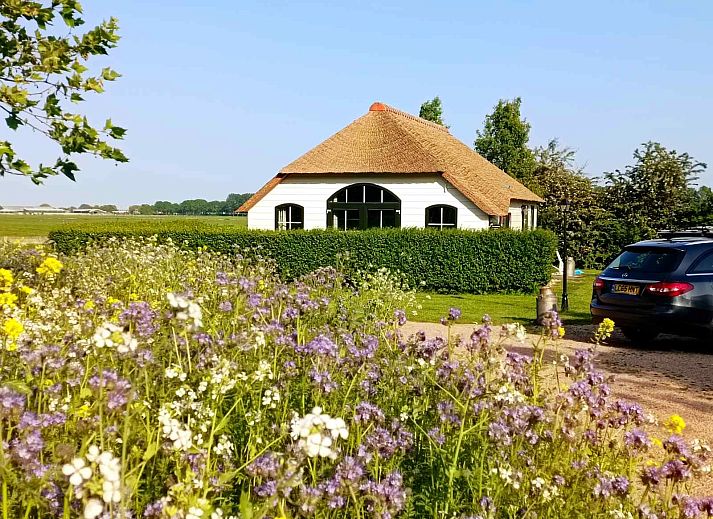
[{"x": 391, "y": 169}]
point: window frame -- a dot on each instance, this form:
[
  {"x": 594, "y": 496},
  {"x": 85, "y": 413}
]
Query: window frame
[
  {"x": 363, "y": 207},
  {"x": 441, "y": 226},
  {"x": 706, "y": 256},
  {"x": 289, "y": 224}
]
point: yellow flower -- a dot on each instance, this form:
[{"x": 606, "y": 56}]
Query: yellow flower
[
  {"x": 26, "y": 290},
  {"x": 6, "y": 279},
  {"x": 50, "y": 266},
  {"x": 560, "y": 331},
  {"x": 82, "y": 412},
  {"x": 657, "y": 442},
  {"x": 111, "y": 300},
  {"x": 7, "y": 299},
  {"x": 89, "y": 305},
  {"x": 675, "y": 424},
  {"x": 12, "y": 328},
  {"x": 133, "y": 296}
]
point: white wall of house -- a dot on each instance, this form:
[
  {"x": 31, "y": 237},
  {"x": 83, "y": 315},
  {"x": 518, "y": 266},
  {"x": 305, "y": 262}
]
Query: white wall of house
[
  {"x": 515, "y": 211},
  {"x": 415, "y": 191}
]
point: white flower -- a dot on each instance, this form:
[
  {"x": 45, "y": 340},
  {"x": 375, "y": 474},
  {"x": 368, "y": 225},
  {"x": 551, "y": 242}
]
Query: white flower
[
  {"x": 316, "y": 433},
  {"x": 270, "y": 398},
  {"x": 93, "y": 508},
  {"x": 337, "y": 428},
  {"x": 77, "y": 471},
  {"x": 538, "y": 483},
  {"x": 194, "y": 513}
]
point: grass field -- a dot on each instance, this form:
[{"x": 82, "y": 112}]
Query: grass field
[
  {"x": 37, "y": 226},
  {"x": 508, "y": 308}
]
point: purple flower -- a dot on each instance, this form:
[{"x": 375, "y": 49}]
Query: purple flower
[
  {"x": 637, "y": 440},
  {"x": 651, "y": 476},
  {"x": 142, "y": 317},
  {"x": 676, "y": 470},
  {"x": 320, "y": 345},
  {"x": 454, "y": 314},
  {"x": 265, "y": 466},
  {"x": 367, "y": 412},
  {"x": 11, "y": 402},
  {"x": 400, "y": 317},
  {"x": 225, "y": 306},
  {"x": 436, "y": 436}
]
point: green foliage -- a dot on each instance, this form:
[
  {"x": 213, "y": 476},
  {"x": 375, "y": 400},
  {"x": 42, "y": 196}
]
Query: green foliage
[
  {"x": 432, "y": 111},
  {"x": 558, "y": 180},
  {"x": 41, "y": 72},
  {"x": 701, "y": 208},
  {"x": 503, "y": 140},
  {"x": 194, "y": 207},
  {"x": 654, "y": 192},
  {"x": 444, "y": 261}
]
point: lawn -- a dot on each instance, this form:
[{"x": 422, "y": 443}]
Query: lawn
[
  {"x": 504, "y": 308},
  {"x": 37, "y": 226}
]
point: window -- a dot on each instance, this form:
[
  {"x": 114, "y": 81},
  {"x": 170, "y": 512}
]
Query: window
[
  {"x": 649, "y": 260},
  {"x": 525, "y": 215},
  {"x": 704, "y": 265},
  {"x": 289, "y": 217},
  {"x": 363, "y": 206},
  {"x": 441, "y": 217}
]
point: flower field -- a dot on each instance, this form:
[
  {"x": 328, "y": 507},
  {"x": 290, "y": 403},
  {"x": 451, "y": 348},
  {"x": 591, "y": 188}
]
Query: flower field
[{"x": 141, "y": 380}]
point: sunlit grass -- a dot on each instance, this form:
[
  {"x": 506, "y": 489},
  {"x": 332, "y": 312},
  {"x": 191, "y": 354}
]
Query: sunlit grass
[
  {"x": 35, "y": 225},
  {"x": 507, "y": 308}
]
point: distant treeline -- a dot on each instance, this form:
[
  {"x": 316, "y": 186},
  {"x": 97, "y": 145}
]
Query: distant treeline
[{"x": 194, "y": 207}]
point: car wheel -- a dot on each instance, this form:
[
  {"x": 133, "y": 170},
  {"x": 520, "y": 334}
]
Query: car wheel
[{"x": 639, "y": 335}]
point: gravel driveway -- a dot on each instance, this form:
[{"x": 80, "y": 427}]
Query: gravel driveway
[{"x": 672, "y": 375}]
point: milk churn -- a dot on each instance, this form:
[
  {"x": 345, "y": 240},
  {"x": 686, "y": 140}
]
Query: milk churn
[{"x": 546, "y": 301}]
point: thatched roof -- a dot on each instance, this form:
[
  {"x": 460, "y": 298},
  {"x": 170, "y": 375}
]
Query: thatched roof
[{"x": 386, "y": 140}]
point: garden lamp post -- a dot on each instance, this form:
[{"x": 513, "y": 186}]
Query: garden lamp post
[{"x": 565, "y": 246}]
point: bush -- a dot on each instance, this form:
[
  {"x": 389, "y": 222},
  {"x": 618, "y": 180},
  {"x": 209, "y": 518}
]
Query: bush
[
  {"x": 444, "y": 261},
  {"x": 140, "y": 380}
]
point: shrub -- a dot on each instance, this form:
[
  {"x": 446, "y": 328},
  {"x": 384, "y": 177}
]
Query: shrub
[
  {"x": 445, "y": 261},
  {"x": 140, "y": 380}
]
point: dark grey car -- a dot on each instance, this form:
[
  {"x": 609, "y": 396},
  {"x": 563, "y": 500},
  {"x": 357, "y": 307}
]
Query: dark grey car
[{"x": 659, "y": 286}]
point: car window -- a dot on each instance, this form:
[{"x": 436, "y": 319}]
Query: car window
[
  {"x": 654, "y": 261},
  {"x": 704, "y": 265}
]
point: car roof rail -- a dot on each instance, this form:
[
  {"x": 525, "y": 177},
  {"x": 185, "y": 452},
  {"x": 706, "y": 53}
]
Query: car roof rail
[{"x": 703, "y": 231}]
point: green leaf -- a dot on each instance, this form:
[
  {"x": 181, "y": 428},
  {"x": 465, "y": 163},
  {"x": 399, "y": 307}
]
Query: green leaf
[
  {"x": 13, "y": 122},
  {"x": 246, "y": 507},
  {"x": 150, "y": 452},
  {"x": 109, "y": 75}
]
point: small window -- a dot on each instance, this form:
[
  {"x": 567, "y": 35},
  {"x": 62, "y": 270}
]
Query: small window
[
  {"x": 441, "y": 217},
  {"x": 289, "y": 217},
  {"x": 654, "y": 260},
  {"x": 704, "y": 265}
]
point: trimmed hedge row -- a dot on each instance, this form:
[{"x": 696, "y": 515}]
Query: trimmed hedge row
[{"x": 445, "y": 261}]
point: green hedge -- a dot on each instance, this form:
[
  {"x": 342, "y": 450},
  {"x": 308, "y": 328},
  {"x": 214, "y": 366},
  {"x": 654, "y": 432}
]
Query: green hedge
[{"x": 444, "y": 261}]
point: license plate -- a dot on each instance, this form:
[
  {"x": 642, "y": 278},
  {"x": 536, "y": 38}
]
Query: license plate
[{"x": 631, "y": 290}]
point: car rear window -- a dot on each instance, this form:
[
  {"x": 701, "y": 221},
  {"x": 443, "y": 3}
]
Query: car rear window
[{"x": 651, "y": 260}]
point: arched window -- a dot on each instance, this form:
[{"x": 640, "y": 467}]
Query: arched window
[
  {"x": 441, "y": 217},
  {"x": 363, "y": 206},
  {"x": 289, "y": 217}
]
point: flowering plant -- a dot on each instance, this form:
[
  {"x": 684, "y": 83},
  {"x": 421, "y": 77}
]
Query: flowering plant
[{"x": 142, "y": 380}]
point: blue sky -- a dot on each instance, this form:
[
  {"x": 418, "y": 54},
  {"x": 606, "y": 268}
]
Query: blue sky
[{"x": 218, "y": 95}]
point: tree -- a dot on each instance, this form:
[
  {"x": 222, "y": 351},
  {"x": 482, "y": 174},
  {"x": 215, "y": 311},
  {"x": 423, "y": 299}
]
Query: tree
[
  {"x": 565, "y": 188},
  {"x": 109, "y": 208},
  {"x": 42, "y": 71},
  {"x": 432, "y": 111},
  {"x": 653, "y": 192},
  {"x": 504, "y": 138}
]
